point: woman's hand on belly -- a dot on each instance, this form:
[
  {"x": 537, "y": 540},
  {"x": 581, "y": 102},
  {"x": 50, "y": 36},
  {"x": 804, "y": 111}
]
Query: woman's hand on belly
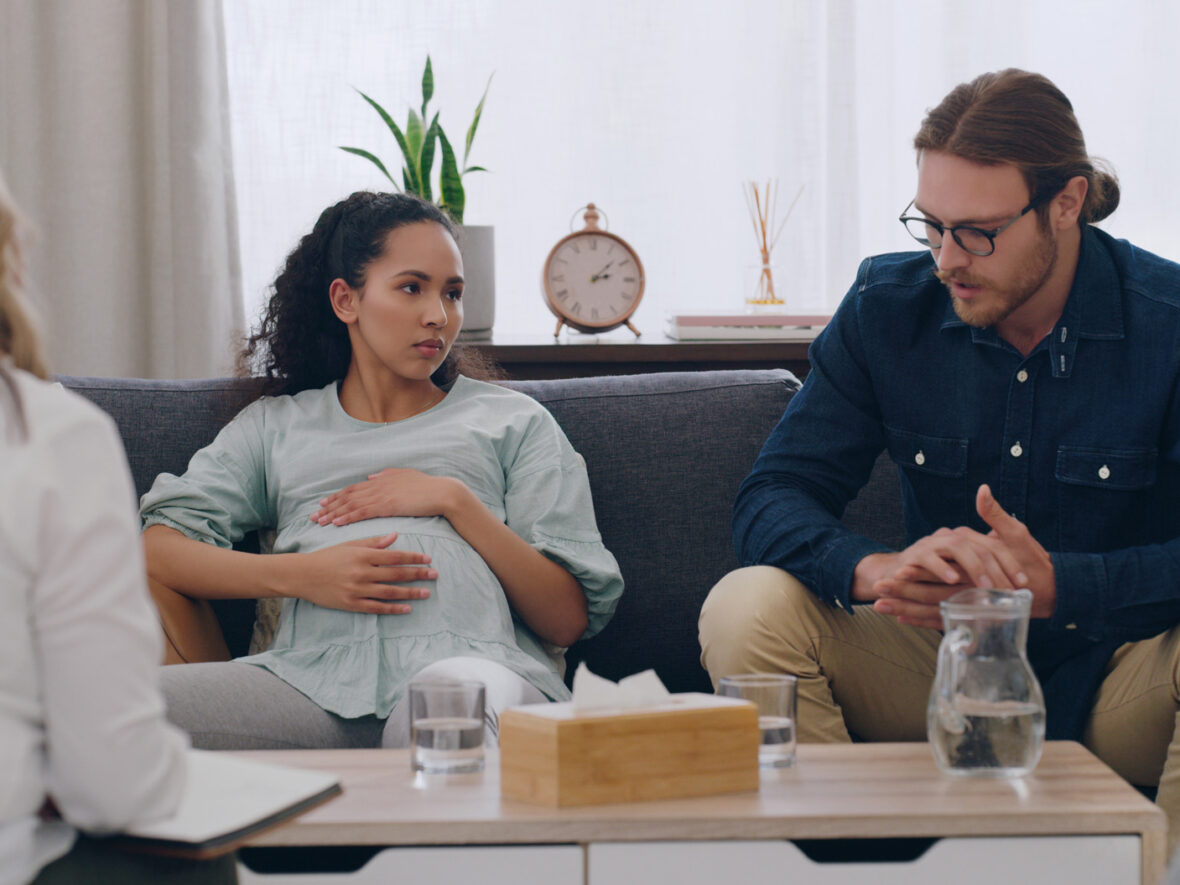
[
  {"x": 392, "y": 492},
  {"x": 361, "y": 576}
]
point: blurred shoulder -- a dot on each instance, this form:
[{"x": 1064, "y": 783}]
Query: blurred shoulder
[{"x": 46, "y": 410}]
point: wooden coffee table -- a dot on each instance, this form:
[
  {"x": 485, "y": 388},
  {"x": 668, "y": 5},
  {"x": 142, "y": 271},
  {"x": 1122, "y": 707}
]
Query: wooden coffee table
[{"x": 1072, "y": 820}]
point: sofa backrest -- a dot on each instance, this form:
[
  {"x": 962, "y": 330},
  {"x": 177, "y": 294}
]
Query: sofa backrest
[{"x": 665, "y": 454}]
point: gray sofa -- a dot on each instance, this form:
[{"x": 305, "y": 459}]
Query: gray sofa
[{"x": 665, "y": 454}]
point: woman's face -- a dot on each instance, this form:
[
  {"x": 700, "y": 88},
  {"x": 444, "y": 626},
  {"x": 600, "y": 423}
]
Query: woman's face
[{"x": 409, "y": 310}]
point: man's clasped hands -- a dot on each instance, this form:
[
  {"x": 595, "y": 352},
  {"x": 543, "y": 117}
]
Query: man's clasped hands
[{"x": 909, "y": 585}]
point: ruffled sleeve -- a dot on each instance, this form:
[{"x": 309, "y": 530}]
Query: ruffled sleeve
[
  {"x": 547, "y": 502},
  {"x": 223, "y": 494}
]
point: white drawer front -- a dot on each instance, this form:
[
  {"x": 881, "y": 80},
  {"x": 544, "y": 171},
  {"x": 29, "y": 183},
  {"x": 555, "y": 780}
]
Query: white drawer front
[
  {"x": 465, "y": 865},
  {"x": 1068, "y": 860}
]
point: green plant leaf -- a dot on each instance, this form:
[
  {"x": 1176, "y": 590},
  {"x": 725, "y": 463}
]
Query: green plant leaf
[
  {"x": 474, "y": 169},
  {"x": 414, "y": 134},
  {"x": 475, "y": 122},
  {"x": 412, "y": 186},
  {"x": 426, "y": 165},
  {"x": 427, "y": 86},
  {"x": 372, "y": 159},
  {"x": 450, "y": 182}
]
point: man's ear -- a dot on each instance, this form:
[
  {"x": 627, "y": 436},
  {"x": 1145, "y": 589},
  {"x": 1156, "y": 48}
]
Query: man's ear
[
  {"x": 1067, "y": 205},
  {"x": 343, "y": 299}
]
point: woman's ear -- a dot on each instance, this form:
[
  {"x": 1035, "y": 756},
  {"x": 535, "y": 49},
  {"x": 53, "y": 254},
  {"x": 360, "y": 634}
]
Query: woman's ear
[{"x": 343, "y": 299}]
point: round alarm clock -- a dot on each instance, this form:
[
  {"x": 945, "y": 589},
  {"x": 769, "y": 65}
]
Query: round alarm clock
[{"x": 592, "y": 279}]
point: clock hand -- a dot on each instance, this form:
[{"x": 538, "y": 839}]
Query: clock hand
[{"x": 602, "y": 274}]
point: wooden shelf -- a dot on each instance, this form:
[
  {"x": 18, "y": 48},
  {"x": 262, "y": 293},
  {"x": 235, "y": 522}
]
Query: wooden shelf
[{"x": 614, "y": 354}]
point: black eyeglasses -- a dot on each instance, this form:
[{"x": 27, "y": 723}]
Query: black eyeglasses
[{"x": 971, "y": 239}]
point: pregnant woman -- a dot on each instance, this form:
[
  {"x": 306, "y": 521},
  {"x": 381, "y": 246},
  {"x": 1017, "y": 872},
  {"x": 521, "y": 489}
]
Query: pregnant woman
[{"x": 426, "y": 523}]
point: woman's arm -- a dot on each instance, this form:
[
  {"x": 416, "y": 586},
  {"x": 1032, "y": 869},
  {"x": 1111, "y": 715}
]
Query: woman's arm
[
  {"x": 183, "y": 575},
  {"x": 545, "y": 595},
  {"x": 354, "y": 576}
]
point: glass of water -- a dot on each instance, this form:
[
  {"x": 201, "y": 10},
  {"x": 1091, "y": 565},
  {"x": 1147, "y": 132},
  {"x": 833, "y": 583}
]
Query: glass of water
[
  {"x": 774, "y": 696},
  {"x": 446, "y": 726}
]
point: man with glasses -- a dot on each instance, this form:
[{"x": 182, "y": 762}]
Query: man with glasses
[{"x": 1023, "y": 373}]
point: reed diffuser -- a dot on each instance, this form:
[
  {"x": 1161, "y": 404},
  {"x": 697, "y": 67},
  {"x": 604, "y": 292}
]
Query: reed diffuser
[{"x": 763, "y": 207}]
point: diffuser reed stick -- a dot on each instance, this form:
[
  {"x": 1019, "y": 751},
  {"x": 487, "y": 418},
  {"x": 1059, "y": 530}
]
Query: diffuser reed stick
[{"x": 763, "y": 207}]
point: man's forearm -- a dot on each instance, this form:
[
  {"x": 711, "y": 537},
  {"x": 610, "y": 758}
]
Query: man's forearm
[{"x": 786, "y": 528}]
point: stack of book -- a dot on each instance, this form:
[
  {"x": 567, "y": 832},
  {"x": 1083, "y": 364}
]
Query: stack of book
[{"x": 753, "y": 326}]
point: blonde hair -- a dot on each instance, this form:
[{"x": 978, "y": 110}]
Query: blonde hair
[{"x": 19, "y": 338}]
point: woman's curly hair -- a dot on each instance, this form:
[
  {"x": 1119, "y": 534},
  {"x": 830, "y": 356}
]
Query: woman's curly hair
[{"x": 300, "y": 343}]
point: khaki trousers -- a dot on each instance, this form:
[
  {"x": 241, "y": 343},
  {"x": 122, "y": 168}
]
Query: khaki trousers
[{"x": 867, "y": 675}]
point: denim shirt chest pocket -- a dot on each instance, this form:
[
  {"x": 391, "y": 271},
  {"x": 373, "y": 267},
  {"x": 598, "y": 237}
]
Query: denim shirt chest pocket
[
  {"x": 1102, "y": 493},
  {"x": 934, "y": 467}
]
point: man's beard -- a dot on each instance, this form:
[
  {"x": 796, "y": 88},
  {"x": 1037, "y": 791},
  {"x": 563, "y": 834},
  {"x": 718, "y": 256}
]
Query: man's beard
[{"x": 1030, "y": 277}]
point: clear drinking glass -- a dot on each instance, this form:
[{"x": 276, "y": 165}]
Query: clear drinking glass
[
  {"x": 774, "y": 696},
  {"x": 446, "y": 726}
]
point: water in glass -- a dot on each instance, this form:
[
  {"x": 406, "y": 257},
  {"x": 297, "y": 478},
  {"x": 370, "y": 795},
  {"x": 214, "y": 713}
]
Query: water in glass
[
  {"x": 447, "y": 744},
  {"x": 778, "y": 742}
]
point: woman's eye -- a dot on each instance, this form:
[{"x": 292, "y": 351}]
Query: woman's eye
[
  {"x": 412, "y": 288},
  {"x": 455, "y": 294}
]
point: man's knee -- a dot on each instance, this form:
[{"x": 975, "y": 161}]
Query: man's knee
[{"x": 749, "y": 616}]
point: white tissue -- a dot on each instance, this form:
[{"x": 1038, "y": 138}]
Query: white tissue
[{"x": 639, "y": 690}]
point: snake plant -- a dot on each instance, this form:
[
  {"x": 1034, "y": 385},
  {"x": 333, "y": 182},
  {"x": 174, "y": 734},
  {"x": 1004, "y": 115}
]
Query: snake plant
[{"x": 417, "y": 142}]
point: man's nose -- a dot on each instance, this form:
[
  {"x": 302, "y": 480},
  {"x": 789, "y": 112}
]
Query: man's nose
[{"x": 951, "y": 256}]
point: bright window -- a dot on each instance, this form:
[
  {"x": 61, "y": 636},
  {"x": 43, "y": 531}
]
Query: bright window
[{"x": 659, "y": 110}]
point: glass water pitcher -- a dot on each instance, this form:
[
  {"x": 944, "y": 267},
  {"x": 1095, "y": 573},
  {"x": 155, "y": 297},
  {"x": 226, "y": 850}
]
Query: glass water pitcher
[{"x": 986, "y": 714}]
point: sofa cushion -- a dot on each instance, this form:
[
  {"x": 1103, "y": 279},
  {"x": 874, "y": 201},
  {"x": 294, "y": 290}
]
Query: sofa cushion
[{"x": 665, "y": 454}]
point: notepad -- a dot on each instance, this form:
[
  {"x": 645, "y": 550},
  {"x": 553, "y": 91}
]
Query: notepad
[{"x": 226, "y": 800}]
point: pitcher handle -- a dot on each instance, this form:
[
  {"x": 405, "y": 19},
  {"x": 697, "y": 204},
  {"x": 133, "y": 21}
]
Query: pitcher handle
[{"x": 950, "y": 659}]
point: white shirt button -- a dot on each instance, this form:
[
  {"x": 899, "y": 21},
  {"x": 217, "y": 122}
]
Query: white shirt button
[
  {"x": 1104, "y": 472},
  {"x": 1022, "y": 375},
  {"x": 1016, "y": 451},
  {"x": 919, "y": 459}
]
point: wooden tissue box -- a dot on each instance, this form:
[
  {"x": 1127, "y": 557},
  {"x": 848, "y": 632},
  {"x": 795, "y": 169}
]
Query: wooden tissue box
[{"x": 693, "y": 745}]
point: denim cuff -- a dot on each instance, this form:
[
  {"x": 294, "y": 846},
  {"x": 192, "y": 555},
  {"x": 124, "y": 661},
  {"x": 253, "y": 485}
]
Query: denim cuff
[
  {"x": 1081, "y": 587},
  {"x": 834, "y": 570}
]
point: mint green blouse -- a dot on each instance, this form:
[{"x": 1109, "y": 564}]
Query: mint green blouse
[{"x": 269, "y": 468}]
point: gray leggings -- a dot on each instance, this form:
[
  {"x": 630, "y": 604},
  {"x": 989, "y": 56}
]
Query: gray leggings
[{"x": 232, "y": 706}]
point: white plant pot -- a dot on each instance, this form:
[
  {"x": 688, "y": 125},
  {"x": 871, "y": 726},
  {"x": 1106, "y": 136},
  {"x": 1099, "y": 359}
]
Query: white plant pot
[{"x": 477, "y": 243}]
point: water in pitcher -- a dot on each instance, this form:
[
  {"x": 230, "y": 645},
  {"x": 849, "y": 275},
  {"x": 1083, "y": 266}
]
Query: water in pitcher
[
  {"x": 1001, "y": 738},
  {"x": 447, "y": 744},
  {"x": 778, "y": 742}
]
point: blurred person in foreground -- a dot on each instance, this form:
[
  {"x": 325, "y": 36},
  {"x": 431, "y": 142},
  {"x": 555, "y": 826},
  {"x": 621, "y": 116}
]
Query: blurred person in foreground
[{"x": 84, "y": 743}]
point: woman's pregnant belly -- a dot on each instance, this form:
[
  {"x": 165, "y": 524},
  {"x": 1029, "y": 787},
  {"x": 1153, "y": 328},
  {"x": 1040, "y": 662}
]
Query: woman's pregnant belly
[{"x": 466, "y": 598}]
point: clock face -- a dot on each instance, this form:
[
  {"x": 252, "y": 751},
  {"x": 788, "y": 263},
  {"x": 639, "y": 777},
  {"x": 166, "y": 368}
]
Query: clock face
[{"x": 593, "y": 280}]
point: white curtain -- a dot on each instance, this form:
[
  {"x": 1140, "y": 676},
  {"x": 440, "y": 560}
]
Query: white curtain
[
  {"x": 115, "y": 141},
  {"x": 659, "y": 110}
]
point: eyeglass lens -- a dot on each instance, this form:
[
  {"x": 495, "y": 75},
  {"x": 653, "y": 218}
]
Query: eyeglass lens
[{"x": 972, "y": 240}]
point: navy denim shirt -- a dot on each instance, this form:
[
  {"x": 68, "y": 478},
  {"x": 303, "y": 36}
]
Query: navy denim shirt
[{"x": 1080, "y": 440}]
